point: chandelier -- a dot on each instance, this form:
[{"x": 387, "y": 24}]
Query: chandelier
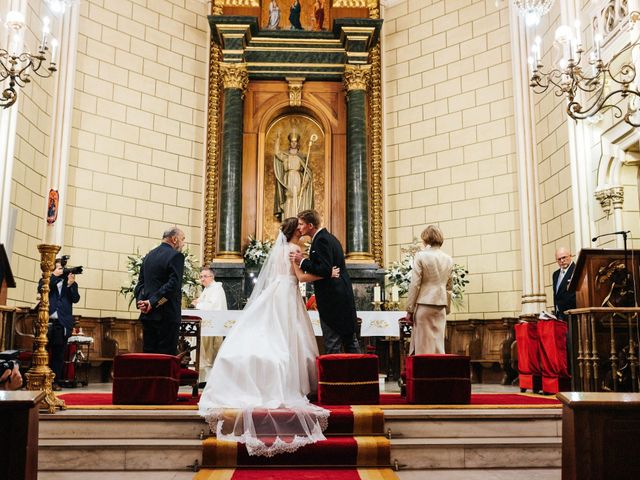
[
  {"x": 591, "y": 86},
  {"x": 17, "y": 66},
  {"x": 533, "y": 10}
]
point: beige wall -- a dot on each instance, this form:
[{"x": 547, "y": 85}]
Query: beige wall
[
  {"x": 30, "y": 164},
  {"x": 450, "y": 142},
  {"x": 137, "y": 143},
  {"x": 136, "y": 158}
]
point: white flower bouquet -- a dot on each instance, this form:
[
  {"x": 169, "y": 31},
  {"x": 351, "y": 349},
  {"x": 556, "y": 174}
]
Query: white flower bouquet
[{"x": 257, "y": 252}]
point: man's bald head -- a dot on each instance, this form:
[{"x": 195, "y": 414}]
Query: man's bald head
[{"x": 563, "y": 257}]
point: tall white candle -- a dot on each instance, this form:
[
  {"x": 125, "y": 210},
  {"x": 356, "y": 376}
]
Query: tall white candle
[
  {"x": 395, "y": 294},
  {"x": 376, "y": 293}
]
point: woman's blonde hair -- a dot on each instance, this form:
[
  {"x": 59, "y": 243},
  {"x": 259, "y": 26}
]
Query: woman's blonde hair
[{"x": 432, "y": 235}]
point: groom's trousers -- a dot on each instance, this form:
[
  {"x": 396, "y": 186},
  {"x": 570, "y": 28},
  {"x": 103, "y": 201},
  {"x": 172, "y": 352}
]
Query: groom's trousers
[{"x": 333, "y": 341}]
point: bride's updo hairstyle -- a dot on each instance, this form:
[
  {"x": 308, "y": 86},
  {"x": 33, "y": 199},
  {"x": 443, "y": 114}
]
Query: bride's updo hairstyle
[{"x": 289, "y": 227}]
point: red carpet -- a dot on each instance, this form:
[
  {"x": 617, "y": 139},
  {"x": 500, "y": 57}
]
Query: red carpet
[
  {"x": 88, "y": 400},
  {"x": 297, "y": 474},
  {"x": 482, "y": 400}
]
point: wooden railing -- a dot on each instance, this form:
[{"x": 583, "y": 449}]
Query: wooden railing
[{"x": 605, "y": 349}]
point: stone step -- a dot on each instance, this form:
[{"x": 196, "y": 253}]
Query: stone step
[
  {"x": 473, "y": 474},
  {"x": 118, "y": 454},
  {"x": 473, "y": 423},
  {"x": 476, "y": 452},
  {"x": 123, "y": 424}
]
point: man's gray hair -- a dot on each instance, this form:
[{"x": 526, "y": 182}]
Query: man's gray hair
[{"x": 172, "y": 232}]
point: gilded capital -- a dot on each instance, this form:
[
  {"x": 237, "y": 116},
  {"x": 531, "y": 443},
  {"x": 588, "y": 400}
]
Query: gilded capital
[
  {"x": 295, "y": 91},
  {"x": 237, "y": 3},
  {"x": 356, "y": 77},
  {"x": 234, "y": 75}
]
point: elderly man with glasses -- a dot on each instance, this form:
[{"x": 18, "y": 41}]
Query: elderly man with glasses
[
  {"x": 211, "y": 298},
  {"x": 563, "y": 299}
]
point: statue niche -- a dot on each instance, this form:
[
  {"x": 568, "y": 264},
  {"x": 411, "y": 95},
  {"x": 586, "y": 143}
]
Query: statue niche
[
  {"x": 296, "y": 15},
  {"x": 294, "y": 164}
]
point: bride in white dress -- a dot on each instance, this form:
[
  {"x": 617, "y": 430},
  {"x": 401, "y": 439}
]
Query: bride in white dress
[{"x": 256, "y": 390}]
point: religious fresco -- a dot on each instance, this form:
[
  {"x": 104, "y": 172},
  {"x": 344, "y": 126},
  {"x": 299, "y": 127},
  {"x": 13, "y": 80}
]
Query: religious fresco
[
  {"x": 309, "y": 15},
  {"x": 294, "y": 170}
]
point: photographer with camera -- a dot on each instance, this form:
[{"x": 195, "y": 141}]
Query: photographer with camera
[
  {"x": 63, "y": 293},
  {"x": 10, "y": 378}
]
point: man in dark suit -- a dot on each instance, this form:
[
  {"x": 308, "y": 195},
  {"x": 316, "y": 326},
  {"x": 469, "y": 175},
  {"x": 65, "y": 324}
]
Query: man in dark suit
[
  {"x": 563, "y": 299},
  {"x": 158, "y": 294},
  {"x": 334, "y": 296},
  {"x": 63, "y": 293}
]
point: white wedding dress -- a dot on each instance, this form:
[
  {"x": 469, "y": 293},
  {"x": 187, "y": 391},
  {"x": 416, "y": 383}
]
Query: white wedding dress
[{"x": 256, "y": 390}]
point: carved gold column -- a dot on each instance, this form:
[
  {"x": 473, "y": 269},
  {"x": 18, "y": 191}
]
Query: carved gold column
[
  {"x": 40, "y": 376},
  {"x": 358, "y": 244},
  {"x": 213, "y": 147},
  {"x": 235, "y": 79}
]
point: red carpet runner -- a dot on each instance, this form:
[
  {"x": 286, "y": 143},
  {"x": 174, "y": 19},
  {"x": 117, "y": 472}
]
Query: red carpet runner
[
  {"x": 387, "y": 400},
  {"x": 297, "y": 474}
]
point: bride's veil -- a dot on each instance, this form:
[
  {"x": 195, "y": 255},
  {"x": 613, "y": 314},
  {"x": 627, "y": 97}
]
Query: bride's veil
[{"x": 277, "y": 263}]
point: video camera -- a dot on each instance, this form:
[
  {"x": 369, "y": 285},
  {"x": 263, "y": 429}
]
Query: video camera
[
  {"x": 66, "y": 271},
  {"x": 8, "y": 361}
]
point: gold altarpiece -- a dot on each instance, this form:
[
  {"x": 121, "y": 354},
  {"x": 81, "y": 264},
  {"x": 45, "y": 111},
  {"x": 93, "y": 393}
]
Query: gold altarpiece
[{"x": 306, "y": 106}]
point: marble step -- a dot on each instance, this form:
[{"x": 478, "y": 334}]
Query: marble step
[
  {"x": 118, "y": 454},
  {"x": 476, "y": 452},
  {"x": 123, "y": 424},
  {"x": 471, "y": 474},
  {"x": 473, "y": 423}
]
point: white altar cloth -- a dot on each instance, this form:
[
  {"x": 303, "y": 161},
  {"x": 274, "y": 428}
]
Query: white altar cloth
[{"x": 218, "y": 323}]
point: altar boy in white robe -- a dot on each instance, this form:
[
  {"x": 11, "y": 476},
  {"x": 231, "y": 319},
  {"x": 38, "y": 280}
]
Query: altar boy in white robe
[{"x": 211, "y": 298}]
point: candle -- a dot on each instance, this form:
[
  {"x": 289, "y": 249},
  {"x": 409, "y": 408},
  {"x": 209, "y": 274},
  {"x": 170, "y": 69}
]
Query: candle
[
  {"x": 376, "y": 293},
  {"x": 45, "y": 33},
  {"x": 54, "y": 50},
  {"x": 395, "y": 294},
  {"x": 578, "y": 32}
]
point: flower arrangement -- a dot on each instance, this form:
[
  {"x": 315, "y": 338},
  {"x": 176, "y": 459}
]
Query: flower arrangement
[
  {"x": 459, "y": 280},
  {"x": 399, "y": 274},
  {"x": 257, "y": 252},
  {"x": 190, "y": 276}
]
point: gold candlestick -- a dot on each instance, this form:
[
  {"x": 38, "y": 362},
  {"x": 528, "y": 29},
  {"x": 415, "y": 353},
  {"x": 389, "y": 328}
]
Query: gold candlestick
[
  {"x": 40, "y": 376},
  {"x": 376, "y": 306}
]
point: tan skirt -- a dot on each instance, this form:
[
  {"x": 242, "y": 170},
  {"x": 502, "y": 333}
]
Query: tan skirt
[{"x": 428, "y": 331}]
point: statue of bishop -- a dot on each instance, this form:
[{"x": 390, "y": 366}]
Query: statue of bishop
[{"x": 294, "y": 179}]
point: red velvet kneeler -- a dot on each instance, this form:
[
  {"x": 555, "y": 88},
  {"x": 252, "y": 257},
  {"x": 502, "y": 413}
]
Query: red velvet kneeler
[
  {"x": 348, "y": 379},
  {"x": 528, "y": 356},
  {"x": 553, "y": 356},
  {"x": 145, "y": 379},
  {"x": 439, "y": 379}
]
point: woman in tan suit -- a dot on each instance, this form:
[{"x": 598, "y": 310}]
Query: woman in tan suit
[{"x": 429, "y": 294}]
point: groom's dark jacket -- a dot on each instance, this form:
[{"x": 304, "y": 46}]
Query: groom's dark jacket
[{"x": 334, "y": 296}]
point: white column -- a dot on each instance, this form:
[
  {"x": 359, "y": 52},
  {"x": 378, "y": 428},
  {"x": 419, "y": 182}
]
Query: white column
[
  {"x": 8, "y": 122},
  {"x": 533, "y": 297},
  {"x": 579, "y": 157},
  {"x": 61, "y": 122}
]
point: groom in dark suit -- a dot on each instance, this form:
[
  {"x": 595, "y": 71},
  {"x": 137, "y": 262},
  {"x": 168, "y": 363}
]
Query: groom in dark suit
[{"x": 334, "y": 296}]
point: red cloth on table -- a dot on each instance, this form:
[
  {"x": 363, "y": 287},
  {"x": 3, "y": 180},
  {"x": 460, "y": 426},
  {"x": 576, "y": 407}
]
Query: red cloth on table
[
  {"x": 145, "y": 379},
  {"x": 528, "y": 356},
  {"x": 442, "y": 379},
  {"x": 69, "y": 366},
  {"x": 553, "y": 355},
  {"x": 348, "y": 379}
]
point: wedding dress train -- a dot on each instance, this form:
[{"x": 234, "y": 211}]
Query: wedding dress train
[{"x": 256, "y": 390}]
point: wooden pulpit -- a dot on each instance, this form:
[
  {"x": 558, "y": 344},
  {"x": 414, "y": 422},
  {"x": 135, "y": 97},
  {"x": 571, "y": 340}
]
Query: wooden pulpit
[
  {"x": 6, "y": 276},
  {"x": 589, "y": 278},
  {"x": 603, "y": 350}
]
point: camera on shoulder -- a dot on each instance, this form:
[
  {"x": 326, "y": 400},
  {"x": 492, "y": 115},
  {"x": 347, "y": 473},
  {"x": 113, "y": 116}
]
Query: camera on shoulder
[
  {"x": 67, "y": 270},
  {"x": 8, "y": 361}
]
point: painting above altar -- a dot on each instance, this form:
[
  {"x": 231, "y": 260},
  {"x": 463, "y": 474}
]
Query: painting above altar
[
  {"x": 294, "y": 167},
  {"x": 310, "y": 15}
]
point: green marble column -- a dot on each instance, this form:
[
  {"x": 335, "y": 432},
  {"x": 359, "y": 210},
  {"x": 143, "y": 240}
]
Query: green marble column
[
  {"x": 357, "y": 241},
  {"x": 229, "y": 241}
]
